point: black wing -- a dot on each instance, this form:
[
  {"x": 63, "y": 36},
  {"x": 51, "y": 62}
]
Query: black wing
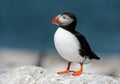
[{"x": 85, "y": 48}]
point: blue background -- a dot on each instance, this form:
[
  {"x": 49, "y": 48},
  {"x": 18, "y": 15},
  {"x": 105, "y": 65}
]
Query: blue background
[{"x": 26, "y": 24}]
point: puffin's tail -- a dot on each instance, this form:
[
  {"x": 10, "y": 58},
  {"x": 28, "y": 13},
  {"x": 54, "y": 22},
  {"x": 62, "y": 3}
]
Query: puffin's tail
[{"x": 94, "y": 56}]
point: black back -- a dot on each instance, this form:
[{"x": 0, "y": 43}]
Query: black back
[{"x": 85, "y": 48}]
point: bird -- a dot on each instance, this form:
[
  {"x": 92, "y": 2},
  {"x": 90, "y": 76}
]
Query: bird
[{"x": 70, "y": 44}]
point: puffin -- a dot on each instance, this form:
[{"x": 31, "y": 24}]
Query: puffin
[{"x": 70, "y": 44}]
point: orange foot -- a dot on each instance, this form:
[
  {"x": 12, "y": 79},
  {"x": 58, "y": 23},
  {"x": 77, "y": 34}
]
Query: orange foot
[
  {"x": 77, "y": 73},
  {"x": 63, "y": 72}
]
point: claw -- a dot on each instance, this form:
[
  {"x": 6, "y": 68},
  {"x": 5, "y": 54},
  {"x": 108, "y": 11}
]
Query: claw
[
  {"x": 66, "y": 71},
  {"x": 63, "y": 72},
  {"x": 78, "y": 73}
]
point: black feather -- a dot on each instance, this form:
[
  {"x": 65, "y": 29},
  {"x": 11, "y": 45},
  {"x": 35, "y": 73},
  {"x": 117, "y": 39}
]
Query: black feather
[{"x": 85, "y": 48}]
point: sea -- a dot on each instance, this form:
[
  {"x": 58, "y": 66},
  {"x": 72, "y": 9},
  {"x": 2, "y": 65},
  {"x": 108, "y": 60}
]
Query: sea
[{"x": 26, "y": 24}]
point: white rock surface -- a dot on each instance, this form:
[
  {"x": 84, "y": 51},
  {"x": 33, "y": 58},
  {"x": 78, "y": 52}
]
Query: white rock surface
[{"x": 38, "y": 75}]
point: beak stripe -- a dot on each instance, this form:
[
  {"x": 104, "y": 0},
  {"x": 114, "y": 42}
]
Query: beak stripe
[{"x": 60, "y": 21}]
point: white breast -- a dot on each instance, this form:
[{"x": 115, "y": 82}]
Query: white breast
[{"x": 67, "y": 45}]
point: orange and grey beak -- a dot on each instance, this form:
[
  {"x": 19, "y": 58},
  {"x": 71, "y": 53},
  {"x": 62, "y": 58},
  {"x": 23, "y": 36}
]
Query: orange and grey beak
[{"x": 56, "y": 20}]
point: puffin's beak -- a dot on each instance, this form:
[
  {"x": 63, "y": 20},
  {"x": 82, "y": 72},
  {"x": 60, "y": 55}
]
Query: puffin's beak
[{"x": 56, "y": 20}]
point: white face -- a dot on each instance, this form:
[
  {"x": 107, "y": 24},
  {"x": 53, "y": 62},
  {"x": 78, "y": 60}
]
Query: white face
[{"x": 64, "y": 20}]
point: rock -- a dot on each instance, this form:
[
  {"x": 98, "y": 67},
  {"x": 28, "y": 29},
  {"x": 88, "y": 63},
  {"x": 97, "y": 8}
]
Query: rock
[{"x": 38, "y": 75}]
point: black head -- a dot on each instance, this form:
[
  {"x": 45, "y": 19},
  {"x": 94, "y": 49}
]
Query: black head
[{"x": 65, "y": 20}]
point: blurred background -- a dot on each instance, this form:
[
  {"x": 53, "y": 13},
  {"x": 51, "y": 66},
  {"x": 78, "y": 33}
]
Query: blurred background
[{"x": 26, "y": 33}]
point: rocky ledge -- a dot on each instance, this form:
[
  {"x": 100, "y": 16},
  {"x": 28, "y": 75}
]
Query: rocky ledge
[{"x": 38, "y": 75}]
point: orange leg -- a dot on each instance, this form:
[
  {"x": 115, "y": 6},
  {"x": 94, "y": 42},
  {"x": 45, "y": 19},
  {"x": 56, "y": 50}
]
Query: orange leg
[
  {"x": 79, "y": 72},
  {"x": 67, "y": 70}
]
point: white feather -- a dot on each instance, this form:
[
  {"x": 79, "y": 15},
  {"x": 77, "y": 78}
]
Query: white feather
[
  {"x": 68, "y": 45},
  {"x": 65, "y": 21}
]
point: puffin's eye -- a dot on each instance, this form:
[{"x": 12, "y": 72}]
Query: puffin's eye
[{"x": 63, "y": 17}]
